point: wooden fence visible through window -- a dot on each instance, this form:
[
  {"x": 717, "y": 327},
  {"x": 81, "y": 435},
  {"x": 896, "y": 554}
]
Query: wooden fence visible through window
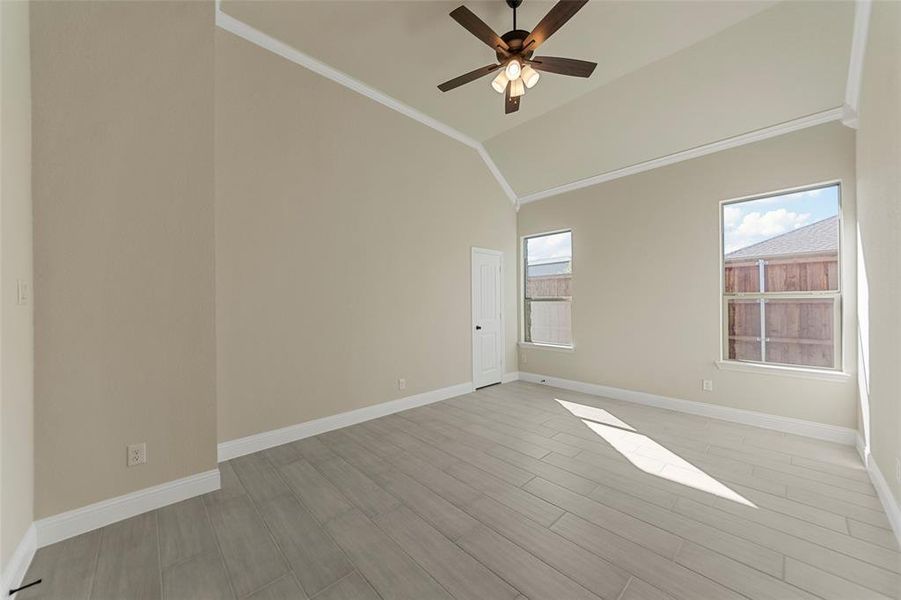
[
  {"x": 546, "y": 310},
  {"x": 780, "y": 328}
]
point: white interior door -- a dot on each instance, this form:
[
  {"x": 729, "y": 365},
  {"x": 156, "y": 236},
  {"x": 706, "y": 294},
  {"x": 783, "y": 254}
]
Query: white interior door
[{"x": 487, "y": 317}]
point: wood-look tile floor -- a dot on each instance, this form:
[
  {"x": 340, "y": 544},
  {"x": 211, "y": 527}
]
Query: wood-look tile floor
[{"x": 512, "y": 492}]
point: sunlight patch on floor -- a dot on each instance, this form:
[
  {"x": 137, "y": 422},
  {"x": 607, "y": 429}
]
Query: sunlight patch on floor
[
  {"x": 592, "y": 413},
  {"x": 648, "y": 455}
]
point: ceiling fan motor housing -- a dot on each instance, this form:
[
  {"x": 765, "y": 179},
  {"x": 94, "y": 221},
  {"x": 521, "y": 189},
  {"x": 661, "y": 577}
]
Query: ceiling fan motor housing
[{"x": 514, "y": 40}]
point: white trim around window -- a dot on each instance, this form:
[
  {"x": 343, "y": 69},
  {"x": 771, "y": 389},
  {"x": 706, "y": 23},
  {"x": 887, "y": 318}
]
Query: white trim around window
[
  {"x": 836, "y": 373},
  {"x": 522, "y": 294},
  {"x": 553, "y": 347},
  {"x": 783, "y": 370}
]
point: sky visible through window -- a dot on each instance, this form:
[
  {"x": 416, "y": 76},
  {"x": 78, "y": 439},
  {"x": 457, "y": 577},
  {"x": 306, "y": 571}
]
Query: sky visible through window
[
  {"x": 557, "y": 245},
  {"x": 750, "y": 222}
]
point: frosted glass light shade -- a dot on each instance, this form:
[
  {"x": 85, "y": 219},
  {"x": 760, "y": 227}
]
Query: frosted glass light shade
[
  {"x": 529, "y": 76},
  {"x": 500, "y": 82},
  {"x": 513, "y": 69},
  {"x": 516, "y": 88}
]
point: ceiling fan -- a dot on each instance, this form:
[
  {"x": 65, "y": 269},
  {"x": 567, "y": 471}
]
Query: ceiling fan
[{"x": 515, "y": 52}]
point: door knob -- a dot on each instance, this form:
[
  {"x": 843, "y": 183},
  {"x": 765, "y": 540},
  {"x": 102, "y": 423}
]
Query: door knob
[{"x": 478, "y": 327}]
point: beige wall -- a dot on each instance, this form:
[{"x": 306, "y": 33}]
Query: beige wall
[
  {"x": 123, "y": 204},
  {"x": 879, "y": 214},
  {"x": 16, "y": 321},
  {"x": 646, "y": 303},
  {"x": 787, "y": 62},
  {"x": 319, "y": 249},
  {"x": 343, "y": 236}
]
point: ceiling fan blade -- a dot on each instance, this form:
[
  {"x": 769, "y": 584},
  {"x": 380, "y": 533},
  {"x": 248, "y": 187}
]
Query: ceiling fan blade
[
  {"x": 563, "y": 66},
  {"x": 478, "y": 28},
  {"x": 552, "y": 21},
  {"x": 471, "y": 76},
  {"x": 511, "y": 104}
]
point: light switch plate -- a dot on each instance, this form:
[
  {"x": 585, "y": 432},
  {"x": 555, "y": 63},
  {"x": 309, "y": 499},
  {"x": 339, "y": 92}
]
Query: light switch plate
[{"x": 23, "y": 292}]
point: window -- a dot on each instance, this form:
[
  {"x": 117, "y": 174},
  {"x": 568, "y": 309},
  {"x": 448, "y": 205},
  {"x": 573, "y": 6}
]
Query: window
[
  {"x": 781, "y": 279},
  {"x": 547, "y": 294}
]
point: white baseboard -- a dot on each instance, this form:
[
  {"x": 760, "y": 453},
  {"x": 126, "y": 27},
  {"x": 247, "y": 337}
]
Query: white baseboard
[
  {"x": 87, "y": 518},
  {"x": 15, "y": 569},
  {"x": 820, "y": 431},
  {"x": 891, "y": 505},
  {"x": 276, "y": 437},
  {"x": 508, "y": 377},
  {"x": 75, "y": 522}
]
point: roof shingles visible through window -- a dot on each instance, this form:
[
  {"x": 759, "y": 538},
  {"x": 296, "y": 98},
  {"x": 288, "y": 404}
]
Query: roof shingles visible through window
[{"x": 815, "y": 238}]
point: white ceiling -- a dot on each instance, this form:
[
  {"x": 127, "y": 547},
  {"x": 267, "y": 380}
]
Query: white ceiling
[
  {"x": 407, "y": 48},
  {"x": 672, "y": 75}
]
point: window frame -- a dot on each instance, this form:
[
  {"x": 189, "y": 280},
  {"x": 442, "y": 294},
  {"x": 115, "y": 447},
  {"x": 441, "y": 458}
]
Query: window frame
[
  {"x": 836, "y": 295},
  {"x": 523, "y": 275}
]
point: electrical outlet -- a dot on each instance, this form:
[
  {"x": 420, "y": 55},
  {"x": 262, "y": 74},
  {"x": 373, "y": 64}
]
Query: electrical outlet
[
  {"x": 401, "y": 384},
  {"x": 707, "y": 385},
  {"x": 523, "y": 358},
  {"x": 137, "y": 454}
]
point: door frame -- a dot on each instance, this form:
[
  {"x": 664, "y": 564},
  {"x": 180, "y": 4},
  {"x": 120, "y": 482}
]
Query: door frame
[{"x": 472, "y": 311}]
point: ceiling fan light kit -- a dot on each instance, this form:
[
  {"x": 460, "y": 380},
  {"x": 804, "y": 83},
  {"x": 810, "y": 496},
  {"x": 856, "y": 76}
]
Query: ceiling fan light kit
[
  {"x": 529, "y": 76},
  {"x": 513, "y": 69},
  {"x": 515, "y": 50},
  {"x": 516, "y": 88},
  {"x": 500, "y": 82}
]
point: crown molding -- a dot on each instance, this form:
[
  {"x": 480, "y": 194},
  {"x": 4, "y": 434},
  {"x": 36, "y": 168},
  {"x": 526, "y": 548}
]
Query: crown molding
[
  {"x": 847, "y": 113},
  {"x": 862, "y": 9},
  {"x": 826, "y": 116},
  {"x": 267, "y": 42},
  {"x": 498, "y": 175}
]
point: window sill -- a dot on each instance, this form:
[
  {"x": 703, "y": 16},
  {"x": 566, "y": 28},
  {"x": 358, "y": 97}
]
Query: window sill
[
  {"x": 547, "y": 347},
  {"x": 801, "y": 372}
]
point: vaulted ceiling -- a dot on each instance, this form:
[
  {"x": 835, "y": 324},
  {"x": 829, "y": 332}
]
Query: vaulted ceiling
[{"x": 671, "y": 75}]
